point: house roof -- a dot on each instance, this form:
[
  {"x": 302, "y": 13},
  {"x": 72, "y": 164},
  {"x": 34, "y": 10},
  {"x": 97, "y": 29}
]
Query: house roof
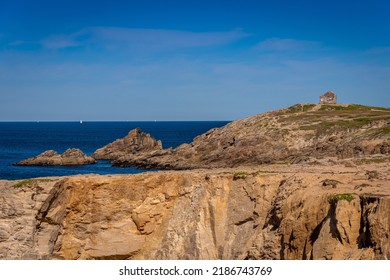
[{"x": 329, "y": 94}]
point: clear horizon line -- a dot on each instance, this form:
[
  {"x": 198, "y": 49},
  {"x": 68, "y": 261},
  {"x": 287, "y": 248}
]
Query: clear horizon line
[{"x": 84, "y": 121}]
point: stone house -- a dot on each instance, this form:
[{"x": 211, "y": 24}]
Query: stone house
[{"x": 328, "y": 98}]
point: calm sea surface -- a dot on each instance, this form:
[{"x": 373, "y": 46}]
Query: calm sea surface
[{"x": 20, "y": 140}]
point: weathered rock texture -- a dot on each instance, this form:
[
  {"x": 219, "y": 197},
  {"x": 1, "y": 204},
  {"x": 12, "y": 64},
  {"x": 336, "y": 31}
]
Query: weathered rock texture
[
  {"x": 69, "y": 157},
  {"x": 295, "y": 134},
  {"x": 278, "y": 212},
  {"x": 135, "y": 143}
]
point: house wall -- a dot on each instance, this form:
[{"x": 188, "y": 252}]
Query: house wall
[{"x": 328, "y": 100}]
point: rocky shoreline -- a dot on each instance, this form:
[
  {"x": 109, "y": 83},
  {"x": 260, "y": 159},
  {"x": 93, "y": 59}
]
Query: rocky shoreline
[
  {"x": 136, "y": 143},
  {"x": 300, "y": 133},
  {"x": 306, "y": 182}
]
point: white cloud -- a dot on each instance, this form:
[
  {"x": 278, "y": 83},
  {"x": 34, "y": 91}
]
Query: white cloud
[
  {"x": 141, "y": 39},
  {"x": 60, "y": 41},
  {"x": 279, "y": 44},
  {"x": 379, "y": 50},
  {"x": 165, "y": 39},
  {"x": 16, "y": 43}
]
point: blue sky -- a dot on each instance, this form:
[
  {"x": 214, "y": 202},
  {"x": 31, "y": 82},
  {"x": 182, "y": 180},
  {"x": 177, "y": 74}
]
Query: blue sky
[{"x": 188, "y": 60}]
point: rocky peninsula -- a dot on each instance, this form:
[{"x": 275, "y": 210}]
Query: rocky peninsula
[{"x": 300, "y": 133}]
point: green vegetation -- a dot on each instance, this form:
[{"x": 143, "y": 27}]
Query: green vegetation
[
  {"x": 24, "y": 183},
  {"x": 300, "y": 108},
  {"x": 29, "y": 182},
  {"x": 294, "y": 109},
  {"x": 262, "y": 125},
  {"x": 345, "y": 124},
  {"x": 240, "y": 175},
  {"x": 385, "y": 130},
  {"x": 262, "y": 171},
  {"x": 281, "y": 162},
  {"x": 308, "y": 107},
  {"x": 351, "y": 107},
  {"x": 381, "y": 131},
  {"x": 243, "y": 174},
  {"x": 356, "y": 118},
  {"x": 334, "y": 198},
  {"x": 372, "y": 160}
]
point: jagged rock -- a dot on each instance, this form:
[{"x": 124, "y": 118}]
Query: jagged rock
[
  {"x": 278, "y": 212},
  {"x": 50, "y": 157},
  {"x": 135, "y": 143}
]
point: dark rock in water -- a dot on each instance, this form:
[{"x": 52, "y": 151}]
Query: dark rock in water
[
  {"x": 51, "y": 157},
  {"x": 135, "y": 143}
]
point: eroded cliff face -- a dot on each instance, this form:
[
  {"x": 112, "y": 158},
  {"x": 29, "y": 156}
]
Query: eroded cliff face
[{"x": 278, "y": 212}]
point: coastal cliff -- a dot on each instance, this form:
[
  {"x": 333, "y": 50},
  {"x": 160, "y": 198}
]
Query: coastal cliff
[{"x": 326, "y": 211}]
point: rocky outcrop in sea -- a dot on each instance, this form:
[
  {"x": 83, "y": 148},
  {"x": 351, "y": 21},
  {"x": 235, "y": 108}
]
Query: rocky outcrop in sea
[
  {"x": 136, "y": 142},
  {"x": 51, "y": 158}
]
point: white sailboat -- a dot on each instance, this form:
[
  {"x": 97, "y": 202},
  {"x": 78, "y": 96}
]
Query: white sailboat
[{"x": 81, "y": 121}]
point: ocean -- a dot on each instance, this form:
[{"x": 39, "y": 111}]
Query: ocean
[{"x": 21, "y": 140}]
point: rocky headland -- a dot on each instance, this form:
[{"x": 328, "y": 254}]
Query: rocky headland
[
  {"x": 51, "y": 158},
  {"x": 305, "y": 182},
  {"x": 303, "y": 132}
]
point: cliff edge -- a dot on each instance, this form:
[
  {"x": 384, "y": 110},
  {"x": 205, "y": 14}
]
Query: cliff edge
[{"x": 276, "y": 212}]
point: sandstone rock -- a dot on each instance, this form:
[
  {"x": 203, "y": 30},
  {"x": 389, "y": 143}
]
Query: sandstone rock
[
  {"x": 278, "y": 212},
  {"x": 69, "y": 157},
  {"x": 21, "y": 202},
  {"x": 135, "y": 143}
]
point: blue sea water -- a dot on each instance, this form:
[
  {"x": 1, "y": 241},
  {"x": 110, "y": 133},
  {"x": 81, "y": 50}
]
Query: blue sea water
[{"x": 21, "y": 140}]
